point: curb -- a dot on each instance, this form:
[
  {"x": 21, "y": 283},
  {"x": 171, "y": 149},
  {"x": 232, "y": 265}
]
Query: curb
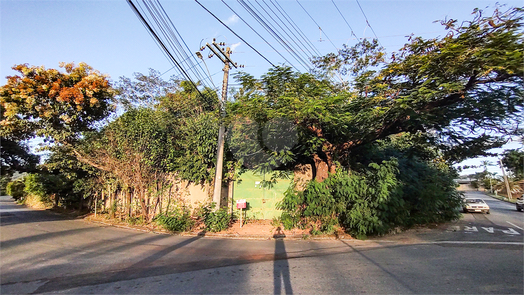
[{"x": 225, "y": 236}]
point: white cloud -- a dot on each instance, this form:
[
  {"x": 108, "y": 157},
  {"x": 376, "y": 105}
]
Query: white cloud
[
  {"x": 234, "y": 46},
  {"x": 232, "y": 20}
]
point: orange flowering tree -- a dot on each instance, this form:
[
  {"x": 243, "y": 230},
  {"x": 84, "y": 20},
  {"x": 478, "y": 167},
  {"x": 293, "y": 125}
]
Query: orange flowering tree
[{"x": 53, "y": 104}]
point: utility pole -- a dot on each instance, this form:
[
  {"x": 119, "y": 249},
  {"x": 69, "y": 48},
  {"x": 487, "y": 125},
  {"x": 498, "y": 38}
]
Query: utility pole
[
  {"x": 505, "y": 179},
  {"x": 224, "y": 56}
]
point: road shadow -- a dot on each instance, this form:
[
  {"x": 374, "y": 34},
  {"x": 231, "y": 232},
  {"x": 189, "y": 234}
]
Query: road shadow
[
  {"x": 37, "y": 238},
  {"x": 141, "y": 269},
  {"x": 281, "y": 275},
  {"x": 392, "y": 275},
  {"x": 12, "y": 213}
]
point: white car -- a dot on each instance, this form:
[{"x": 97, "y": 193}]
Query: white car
[{"x": 475, "y": 205}]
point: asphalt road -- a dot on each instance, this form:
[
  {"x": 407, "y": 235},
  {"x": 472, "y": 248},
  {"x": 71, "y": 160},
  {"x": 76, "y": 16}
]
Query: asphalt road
[{"x": 41, "y": 252}]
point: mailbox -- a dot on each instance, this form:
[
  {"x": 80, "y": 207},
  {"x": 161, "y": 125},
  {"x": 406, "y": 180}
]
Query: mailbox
[{"x": 241, "y": 204}]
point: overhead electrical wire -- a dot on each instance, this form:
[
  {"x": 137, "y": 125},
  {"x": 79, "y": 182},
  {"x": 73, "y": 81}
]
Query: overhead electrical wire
[
  {"x": 257, "y": 34},
  {"x": 190, "y": 57},
  {"x": 317, "y": 25},
  {"x": 163, "y": 24},
  {"x": 352, "y": 32},
  {"x": 162, "y": 45},
  {"x": 302, "y": 48},
  {"x": 277, "y": 37},
  {"x": 235, "y": 33},
  {"x": 291, "y": 47},
  {"x": 367, "y": 22},
  {"x": 295, "y": 26}
]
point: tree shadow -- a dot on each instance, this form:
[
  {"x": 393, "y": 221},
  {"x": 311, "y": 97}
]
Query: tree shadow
[
  {"x": 141, "y": 269},
  {"x": 395, "y": 277},
  {"x": 12, "y": 213}
]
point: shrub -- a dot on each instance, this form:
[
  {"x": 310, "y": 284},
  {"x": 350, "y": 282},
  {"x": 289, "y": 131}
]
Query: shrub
[
  {"x": 4, "y": 180},
  {"x": 378, "y": 199},
  {"x": 135, "y": 220},
  {"x": 35, "y": 184},
  {"x": 176, "y": 221},
  {"x": 16, "y": 189},
  {"x": 215, "y": 221},
  {"x": 47, "y": 187}
]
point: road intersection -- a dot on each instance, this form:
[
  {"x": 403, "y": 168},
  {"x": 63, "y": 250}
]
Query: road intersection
[{"x": 46, "y": 253}]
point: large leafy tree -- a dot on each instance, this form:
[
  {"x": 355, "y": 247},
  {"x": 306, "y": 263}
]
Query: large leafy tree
[
  {"x": 513, "y": 160},
  {"x": 16, "y": 157},
  {"x": 462, "y": 91},
  {"x": 56, "y": 105}
]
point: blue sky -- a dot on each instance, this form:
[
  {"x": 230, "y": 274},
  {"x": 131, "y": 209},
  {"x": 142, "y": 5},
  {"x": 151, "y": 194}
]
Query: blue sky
[{"x": 107, "y": 35}]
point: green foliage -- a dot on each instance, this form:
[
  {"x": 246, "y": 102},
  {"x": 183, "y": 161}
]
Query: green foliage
[
  {"x": 198, "y": 141},
  {"x": 215, "y": 221},
  {"x": 351, "y": 200},
  {"x": 143, "y": 131},
  {"x": 410, "y": 188},
  {"x": 463, "y": 89},
  {"x": 82, "y": 180},
  {"x": 176, "y": 221},
  {"x": 135, "y": 220},
  {"x": 16, "y": 189},
  {"x": 35, "y": 185},
  {"x": 16, "y": 157},
  {"x": 44, "y": 186},
  {"x": 3, "y": 185},
  {"x": 513, "y": 160}
]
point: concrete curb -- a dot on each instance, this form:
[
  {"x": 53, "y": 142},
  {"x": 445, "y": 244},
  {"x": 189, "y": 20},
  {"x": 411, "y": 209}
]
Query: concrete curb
[{"x": 224, "y": 235}]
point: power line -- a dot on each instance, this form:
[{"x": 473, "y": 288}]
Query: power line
[
  {"x": 367, "y": 22},
  {"x": 317, "y": 25},
  {"x": 162, "y": 45},
  {"x": 235, "y": 33},
  {"x": 264, "y": 24},
  {"x": 191, "y": 57},
  {"x": 257, "y": 33},
  {"x": 352, "y": 33},
  {"x": 161, "y": 21},
  {"x": 295, "y": 26},
  {"x": 301, "y": 47}
]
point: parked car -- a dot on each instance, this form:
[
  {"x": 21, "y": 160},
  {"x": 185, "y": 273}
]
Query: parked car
[
  {"x": 475, "y": 205},
  {"x": 520, "y": 203}
]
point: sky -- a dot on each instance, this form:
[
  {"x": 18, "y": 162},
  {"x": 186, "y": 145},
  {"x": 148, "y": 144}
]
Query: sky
[{"x": 107, "y": 35}]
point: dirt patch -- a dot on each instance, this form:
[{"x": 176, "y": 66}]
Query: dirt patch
[
  {"x": 263, "y": 228},
  {"x": 256, "y": 229}
]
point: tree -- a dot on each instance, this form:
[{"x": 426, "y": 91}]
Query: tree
[
  {"x": 16, "y": 157},
  {"x": 145, "y": 90},
  {"x": 55, "y": 105},
  {"x": 513, "y": 160},
  {"x": 460, "y": 90}
]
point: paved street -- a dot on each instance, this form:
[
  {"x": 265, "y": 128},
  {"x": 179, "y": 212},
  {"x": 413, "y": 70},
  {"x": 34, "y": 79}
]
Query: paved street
[{"x": 42, "y": 252}]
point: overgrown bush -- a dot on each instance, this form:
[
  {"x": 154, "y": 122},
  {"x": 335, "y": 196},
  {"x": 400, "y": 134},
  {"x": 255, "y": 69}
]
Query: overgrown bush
[
  {"x": 353, "y": 201},
  {"x": 4, "y": 180},
  {"x": 382, "y": 197},
  {"x": 176, "y": 221},
  {"x": 47, "y": 187},
  {"x": 15, "y": 189},
  {"x": 215, "y": 221}
]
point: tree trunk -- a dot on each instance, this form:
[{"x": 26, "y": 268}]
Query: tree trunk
[
  {"x": 321, "y": 168},
  {"x": 129, "y": 201}
]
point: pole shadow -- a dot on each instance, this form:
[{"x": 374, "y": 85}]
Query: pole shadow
[{"x": 281, "y": 275}]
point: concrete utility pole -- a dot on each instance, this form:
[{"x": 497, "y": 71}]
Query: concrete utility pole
[
  {"x": 224, "y": 56},
  {"x": 505, "y": 179}
]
